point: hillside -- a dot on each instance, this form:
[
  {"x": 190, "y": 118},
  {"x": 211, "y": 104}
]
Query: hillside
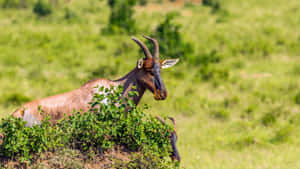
[{"x": 236, "y": 96}]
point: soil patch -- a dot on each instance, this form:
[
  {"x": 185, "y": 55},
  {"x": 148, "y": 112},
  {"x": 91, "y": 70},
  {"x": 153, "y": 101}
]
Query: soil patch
[{"x": 70, "y": 158}]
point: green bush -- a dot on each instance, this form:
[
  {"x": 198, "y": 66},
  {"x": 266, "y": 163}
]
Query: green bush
[
  {"x": 10, "y": 4},
  {"x": 268, "y": 119},
  {"x": 243, "y": 142},
  {"x": 170, "y": 39},
  {"x": 249, "y": 112},
  {"x": 70, "y": 15},
  {"x": 297, "y": 98},
  {"x": 120, "y": 20},
  {"x": 17, "y": 98},
  {"x": 295, "y": 119},
  {"x": 214, "y": 4},
  {"x": 99, "y": 129},
  {"x": 220, "y": 113},
  {"x": 143, "y": 2},
  {"x": 14, "y": 3},
  {"x": 172, "y": 45},
  {"x": 23, "y": 142},
  {"x": 209, "y": 66},
  {"x": 223, "y": 15},
  {"x": 282, "y": 135},
  {"x": 42, "y": 8}
]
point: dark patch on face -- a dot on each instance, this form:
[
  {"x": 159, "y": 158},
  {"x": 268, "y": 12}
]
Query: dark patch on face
[
  {"x": 156, "y": 73},
  {"x": 158, "y": 83}
]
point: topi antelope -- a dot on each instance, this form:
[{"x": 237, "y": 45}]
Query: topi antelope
[{"x": 146, "y": 75}]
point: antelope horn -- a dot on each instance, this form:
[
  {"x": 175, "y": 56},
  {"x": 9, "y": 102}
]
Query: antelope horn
[
  {"x": 144, "y": 47},
  {"x": 173, "y": 120},
  {"x": 160, "y": 119},
  {"x": 156, "y": 47}
]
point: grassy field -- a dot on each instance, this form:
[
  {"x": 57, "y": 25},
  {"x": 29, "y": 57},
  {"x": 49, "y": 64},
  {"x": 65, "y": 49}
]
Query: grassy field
[{"x": 248, "y": 119}]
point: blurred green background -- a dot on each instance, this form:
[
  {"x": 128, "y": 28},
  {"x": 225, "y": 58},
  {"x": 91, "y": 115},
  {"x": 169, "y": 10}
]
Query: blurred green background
[{"x": 235, "y": 92}]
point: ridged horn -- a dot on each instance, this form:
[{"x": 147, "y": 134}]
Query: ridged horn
[
  {"x": 173, "y": 120},
  {"x": 144, "y": 47},
  {"x": 160, "y": 119},
  {"x": 156, "y": 47}
]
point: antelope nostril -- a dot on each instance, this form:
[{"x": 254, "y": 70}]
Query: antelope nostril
[{"x": 164, "y": 94}]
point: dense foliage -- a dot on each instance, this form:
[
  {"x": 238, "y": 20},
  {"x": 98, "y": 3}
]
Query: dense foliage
[
  {"x": 15, "y": 3},
  {"x": 170, "y": 39},
  {"x": 105, "y": 126},
  {"x": 42, "y": 8},
  {"x": 121, "y": 17},
  {"x": 215, "y": 4}
]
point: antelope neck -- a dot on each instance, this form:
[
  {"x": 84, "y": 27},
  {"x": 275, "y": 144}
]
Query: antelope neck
[{"x": 128, "y": 81}]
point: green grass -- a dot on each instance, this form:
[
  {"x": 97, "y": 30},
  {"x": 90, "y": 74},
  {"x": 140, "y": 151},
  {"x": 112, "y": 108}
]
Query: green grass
[{"x": 221, "y": 122}]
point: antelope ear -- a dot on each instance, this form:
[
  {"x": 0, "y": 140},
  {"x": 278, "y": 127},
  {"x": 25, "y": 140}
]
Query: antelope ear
[
  {"x": 168, "y": 63},
  {"x": 140, "y": 63}
]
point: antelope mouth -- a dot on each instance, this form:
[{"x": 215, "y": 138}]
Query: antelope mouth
[{"x": 158, "y": 95}]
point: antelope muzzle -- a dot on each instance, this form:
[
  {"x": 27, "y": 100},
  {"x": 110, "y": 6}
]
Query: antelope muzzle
[
  {"x": 160, "y": 95},
  {"x": 160, "y": 92}
]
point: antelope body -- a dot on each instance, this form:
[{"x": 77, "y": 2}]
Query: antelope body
[{"x": 146, "y": 75}]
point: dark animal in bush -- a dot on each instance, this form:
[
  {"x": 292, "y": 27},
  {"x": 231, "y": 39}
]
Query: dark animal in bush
[
  {"x": 174, "y": 154},
  {"x": 146, "y": 75}
]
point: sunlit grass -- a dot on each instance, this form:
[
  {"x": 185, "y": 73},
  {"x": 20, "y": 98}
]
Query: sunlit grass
[{"x": 221, "y": 123}]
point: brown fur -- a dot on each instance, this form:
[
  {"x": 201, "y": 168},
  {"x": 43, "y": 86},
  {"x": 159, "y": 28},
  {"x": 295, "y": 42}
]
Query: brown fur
[{"x": 78, "y": 100}]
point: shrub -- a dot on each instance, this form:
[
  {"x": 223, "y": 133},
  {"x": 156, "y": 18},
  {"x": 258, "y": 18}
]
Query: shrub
[
  {"x": 223, "y": 14},
  {"x": 143, "y": 2},
  {"x": 42, "y": 8},
  {"x": 214, "y": 4},
  {"x": 170, "y": 40},
  {"x": 213, "y": 72},
  {"x": 120, "y": 20},
  {"x": 254, "y": 46},
  {"x": 17, "y": 98},
  {"x": 282, "y": 135},
  {"x": 205, "y": 59},
  {"x": 295, "y": 119},
  {"x": 209, "y": 66},
  {"x": 188, "y": 4},
  {"x": 70, "y": 15},
  {"x": 249, "y": 112},
  {"x": 103, "y": 127},
  {"x": 14, "y": 3},
  {"x": 297, "y": 98},
  {"x": 220, "y": 114},
  {"x": 268, "y": 119},
  {"x": 22, "y": 142},
  {"x": 243, "y": 142},
  {"x": 10, "y": 4}
]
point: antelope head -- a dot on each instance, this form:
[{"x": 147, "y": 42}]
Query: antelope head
[
  {"x": 150, "y": 67},
  {"x": 173, "y": 138}
]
